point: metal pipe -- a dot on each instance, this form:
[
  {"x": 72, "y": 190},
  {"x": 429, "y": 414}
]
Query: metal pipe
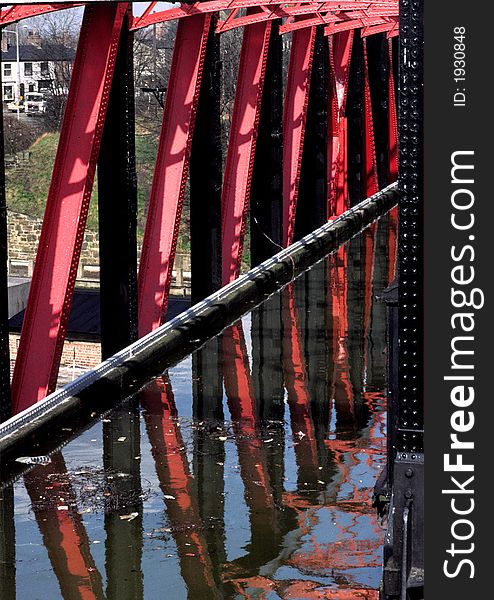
[{"x": 124, "y": 373}]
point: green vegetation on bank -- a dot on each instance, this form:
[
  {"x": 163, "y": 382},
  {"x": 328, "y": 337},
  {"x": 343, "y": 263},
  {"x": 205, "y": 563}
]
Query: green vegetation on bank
[{"x": 27, "y": 184}]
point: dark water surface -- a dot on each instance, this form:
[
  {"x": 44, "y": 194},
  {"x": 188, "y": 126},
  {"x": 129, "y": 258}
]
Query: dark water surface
[{"x": 246, "y": 471}]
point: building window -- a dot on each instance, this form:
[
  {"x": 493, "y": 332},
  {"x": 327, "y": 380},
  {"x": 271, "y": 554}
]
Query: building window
[
  {"x": 8, "y": 92},
  {"x": 44, "y": 84},
  {"x": 31, "y": 87},
  {"x": 28, "y": 69},
  {"x": 44, "y": 68},
  {"x": 7, "y": 69}
]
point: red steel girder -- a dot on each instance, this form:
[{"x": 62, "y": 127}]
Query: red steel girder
[
  {"x": 187, "y": 10},
  {"x": 340, "y": 56},
  {"x": 371, "y": 185},
  {"x": 345, "y": 14},
  {"x": 393, "y": 123},
  {"x": 339, "y": 15},
  {"x": 170, "y": 174},
  {"x": 318, "y": 13},
  {"x": 17, "y": 12},
  {"x": 50, "y": 296},
  {"x": 241, "y": 146},
  {"x": 294, "y": 120}
]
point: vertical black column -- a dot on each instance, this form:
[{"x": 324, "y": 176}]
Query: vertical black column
[
  {"x": 404, "y": 550},
  {"x": 5, "y": 406},
  {"x": 410, "y": 225},
  {"x": 378, "y": 67},
  {"x": 313, "y": 188},
  {"x": 7, "y": 544},
  {"x": 205, "y": 178},
  {"x": 355, "y": 115},
  {"x": 117, "y": 206},
  {"x": 266, "y": 198}
]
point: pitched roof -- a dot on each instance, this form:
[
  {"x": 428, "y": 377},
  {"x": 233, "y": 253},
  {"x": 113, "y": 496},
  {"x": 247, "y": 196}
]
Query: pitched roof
[
  {"x": 28, "y": 52},
  {"x": 84, "y": 318}
]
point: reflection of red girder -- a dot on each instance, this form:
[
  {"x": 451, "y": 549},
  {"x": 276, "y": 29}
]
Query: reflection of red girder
[
  {"x": 244, "y": 413},
  {"x": 63, "y": 531},
  {"x": 295, "y": 375},
  {"x": 176, "y": 483}
]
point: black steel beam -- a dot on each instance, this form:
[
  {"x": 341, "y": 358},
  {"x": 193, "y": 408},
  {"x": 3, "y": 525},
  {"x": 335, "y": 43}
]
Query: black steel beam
[
  {"x": 403, "y": 572},
  {"x": 410, "y": 226},
  {"x": 378, "y": 69},
  {"x": 312, "y": 202},
  {"x": 117, "y": 207},
  {"x": 205, "y": 178},
  {"x": 5, "y": 405},
  {"x": 355, "y": 116},
  {"x": 266, "y": 197}
]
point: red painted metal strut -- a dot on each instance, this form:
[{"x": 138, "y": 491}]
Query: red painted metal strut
[
  {"x": 294, "y": 120},
  {"x": 340, "y": 56},
  {"x": 393, "y": 122},
  {"x": 50, "y": 296},
  {"x": 371, "y": 185},
  {"x": 241, "y": 146},
  {"x": 170, "y": 173}
]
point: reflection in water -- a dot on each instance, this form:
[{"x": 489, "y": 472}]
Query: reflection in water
[
  {"x": 123, "y": 504},
  {"x": 7, "y": 543},
  {"x": 55, "y": 506},
  {"x": 264, "y": 492}
]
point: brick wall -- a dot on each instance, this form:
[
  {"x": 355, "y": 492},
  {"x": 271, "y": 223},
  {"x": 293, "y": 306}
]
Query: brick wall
[{"x": 84, "y": 355}]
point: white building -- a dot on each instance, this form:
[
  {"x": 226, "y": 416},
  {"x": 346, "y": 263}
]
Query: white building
[{"x": 42, "y": 68}]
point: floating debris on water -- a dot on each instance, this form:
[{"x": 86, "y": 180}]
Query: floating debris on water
[{"x": 130, "y": 517}]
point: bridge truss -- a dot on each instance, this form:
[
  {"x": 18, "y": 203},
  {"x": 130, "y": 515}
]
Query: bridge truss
[
  {"x": 325, "y": 143},
  {"x": 298, "y": 155}
]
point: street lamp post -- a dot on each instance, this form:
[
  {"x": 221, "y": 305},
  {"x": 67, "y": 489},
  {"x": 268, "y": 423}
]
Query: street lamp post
[{"x": 18, "y": 75}]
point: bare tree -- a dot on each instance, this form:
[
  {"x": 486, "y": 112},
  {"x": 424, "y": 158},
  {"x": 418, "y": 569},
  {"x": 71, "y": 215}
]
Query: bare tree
[
  {"x": 153, "y": 51},
  {"x": 55, "y": 35},
  {"x": 18, "y": 136}
]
